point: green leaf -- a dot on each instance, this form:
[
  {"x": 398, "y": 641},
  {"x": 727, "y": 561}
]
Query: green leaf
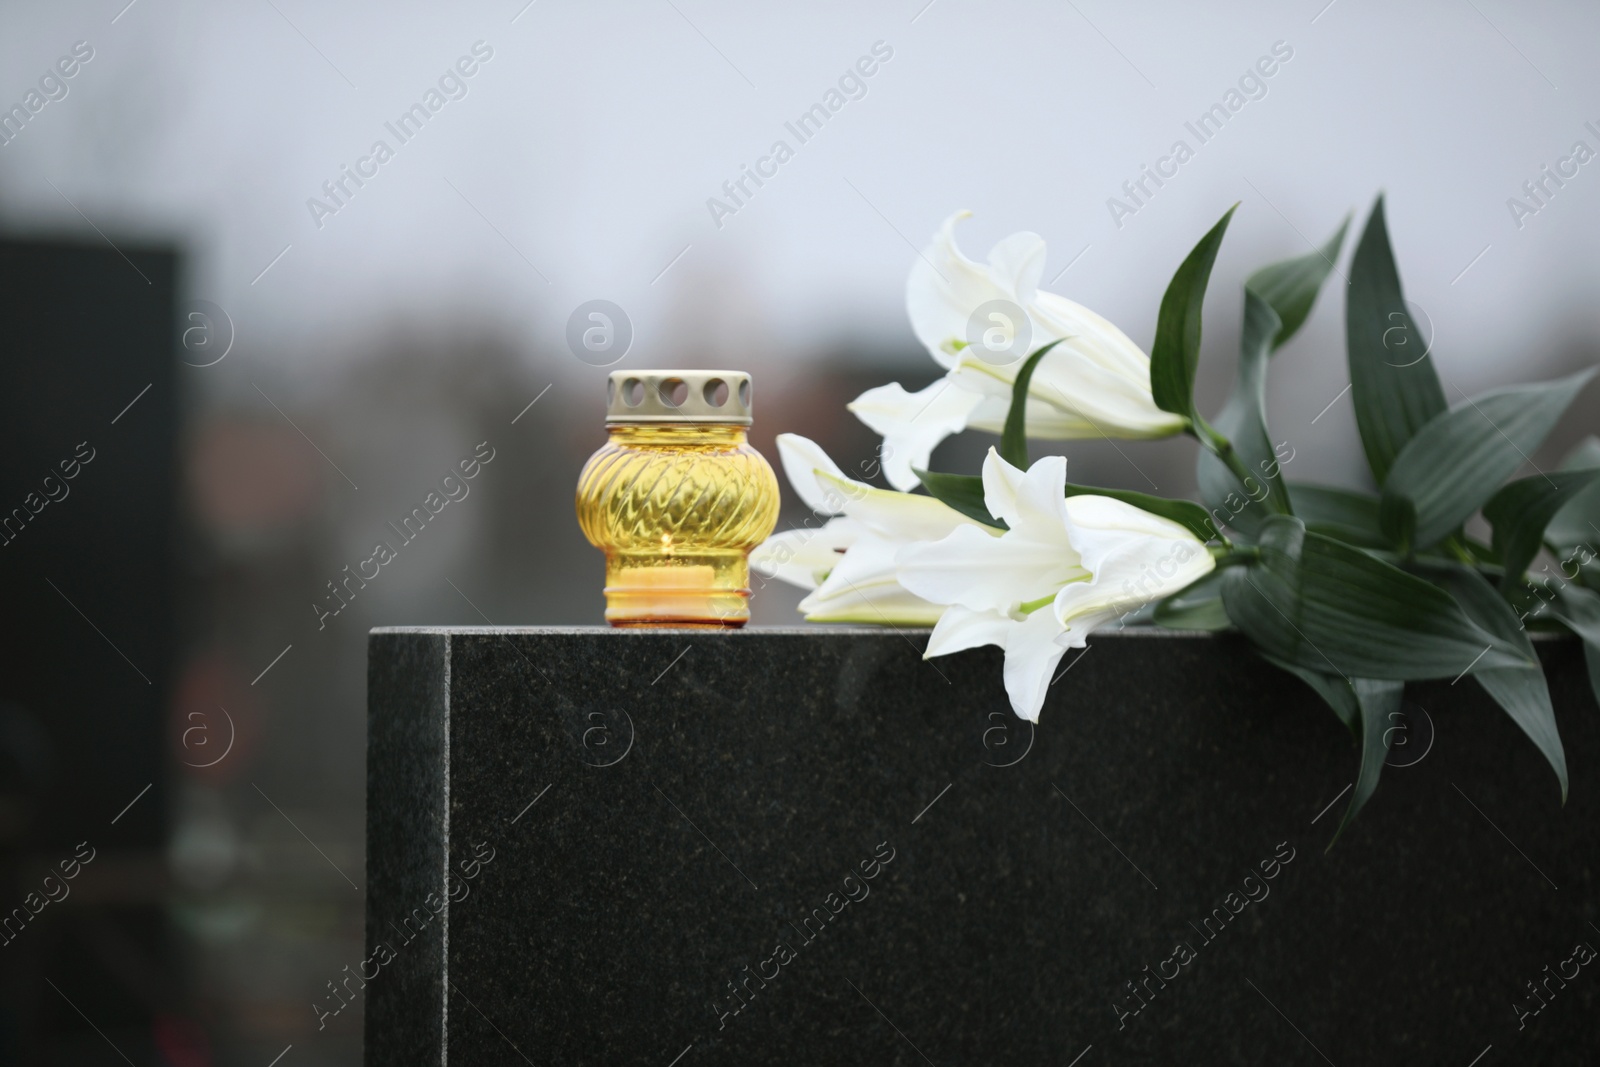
[
  {"x": 1454, "y": 464},
  {"x": 1277, "y": 300},
  {"x": 1379, "y": 702},
  {"x": 1176, "y": 351},
  {"x": 1585, "y": 454},
  {"x": 1336, "y": 691},
  {"x": 1579, "y": 522},
  {"x": 1290, "y": 287},
  {"x": 1591, "y": 656},
  {"x": 1521, "y": 510},
  {"x": 964, "y": 492},
  {"x": 1323, "y": 605},
  {"x": 1367, "y": 707},
  {"x": 1396, "y": 392},
  {"x": 1521, "y": 690},
  {"x": 1199, "y": 607},
  {"x": 1014, "y": 437},
  {"x": 1579, "y": 609},
  {"x": 1340, "y": 513},
  {"x": 1243, "y": 420},
  {"x": 1398, "y": 516}
]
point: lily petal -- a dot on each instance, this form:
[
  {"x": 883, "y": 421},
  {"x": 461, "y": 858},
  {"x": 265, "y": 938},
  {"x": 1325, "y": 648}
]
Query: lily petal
[
  {"x": 1032, "y": 652},
  {"x": 1034, "y": 647},
  {"x": 897, "y": 516},
  {"x": 962, "y": 628},
  {"x": 1073, "y": 394},
  {"x": 1036, "y": 499},
  {"x": 1135, "y": 557},
  {"x": 943, "y": 290},
  {"x": 986, "y": 573},
  {"x": 1095, "y": 335},
  {"x": 1001, "y": 481},
  {"x": 913, "y": 424},
  {"x": 802, "y": 460},
  {"x": 804, "y": 556},
  {"x": 863, "y": 588},
  {"x": 1016, "y": 264}
]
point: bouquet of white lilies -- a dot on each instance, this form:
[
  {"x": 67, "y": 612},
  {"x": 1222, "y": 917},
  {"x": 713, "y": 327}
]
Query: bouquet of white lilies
[{"x": 1355, "y": 593}]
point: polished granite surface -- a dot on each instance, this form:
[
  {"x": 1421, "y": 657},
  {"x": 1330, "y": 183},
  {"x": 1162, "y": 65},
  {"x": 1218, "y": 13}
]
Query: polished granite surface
[{"x": 814, "y": 847}]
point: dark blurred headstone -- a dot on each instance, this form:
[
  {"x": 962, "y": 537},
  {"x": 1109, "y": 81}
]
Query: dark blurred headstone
[{"x": 88, "y": 505}]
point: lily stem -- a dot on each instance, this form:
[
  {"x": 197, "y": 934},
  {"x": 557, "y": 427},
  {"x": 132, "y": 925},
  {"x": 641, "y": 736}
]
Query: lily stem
[
  {"x": 1454, "y": 546},
  {"x": 1219, "y": 446}
]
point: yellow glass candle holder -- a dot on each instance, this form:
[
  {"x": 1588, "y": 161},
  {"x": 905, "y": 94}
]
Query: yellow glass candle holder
[{"x": 677, "y": 498}]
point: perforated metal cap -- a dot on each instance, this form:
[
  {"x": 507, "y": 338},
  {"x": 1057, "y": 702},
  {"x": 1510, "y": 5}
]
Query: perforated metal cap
[{"x": 718, "y": 396}]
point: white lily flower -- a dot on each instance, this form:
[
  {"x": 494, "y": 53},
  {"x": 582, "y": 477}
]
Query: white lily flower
[
  {"x": 1095, "y": 383},
  {"x": 1066, "y": 566},
  {"x": 849, "y": 563}
]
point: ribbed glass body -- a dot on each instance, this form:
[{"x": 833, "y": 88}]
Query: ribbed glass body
[{"x": 677, "y": 509}]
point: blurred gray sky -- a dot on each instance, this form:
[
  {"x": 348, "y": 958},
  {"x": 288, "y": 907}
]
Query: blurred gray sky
[{"x": 586, "y": 148}]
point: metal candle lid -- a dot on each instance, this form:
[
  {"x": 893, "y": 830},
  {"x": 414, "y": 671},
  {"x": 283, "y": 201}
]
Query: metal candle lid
[{"x": 667, "y": 396}]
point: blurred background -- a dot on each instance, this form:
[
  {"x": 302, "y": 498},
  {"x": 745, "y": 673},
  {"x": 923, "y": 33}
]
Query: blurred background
[{"x": 271, "y": 339}]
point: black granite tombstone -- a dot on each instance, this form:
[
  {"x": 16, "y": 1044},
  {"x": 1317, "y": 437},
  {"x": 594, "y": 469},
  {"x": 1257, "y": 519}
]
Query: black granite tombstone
[
  {"x": 814, "y": 847},
  {"x": 89, "y": 580}
]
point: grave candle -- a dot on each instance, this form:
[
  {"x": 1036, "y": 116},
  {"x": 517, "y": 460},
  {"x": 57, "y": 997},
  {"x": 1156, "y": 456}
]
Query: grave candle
[{"x": 677, "y": 498}]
